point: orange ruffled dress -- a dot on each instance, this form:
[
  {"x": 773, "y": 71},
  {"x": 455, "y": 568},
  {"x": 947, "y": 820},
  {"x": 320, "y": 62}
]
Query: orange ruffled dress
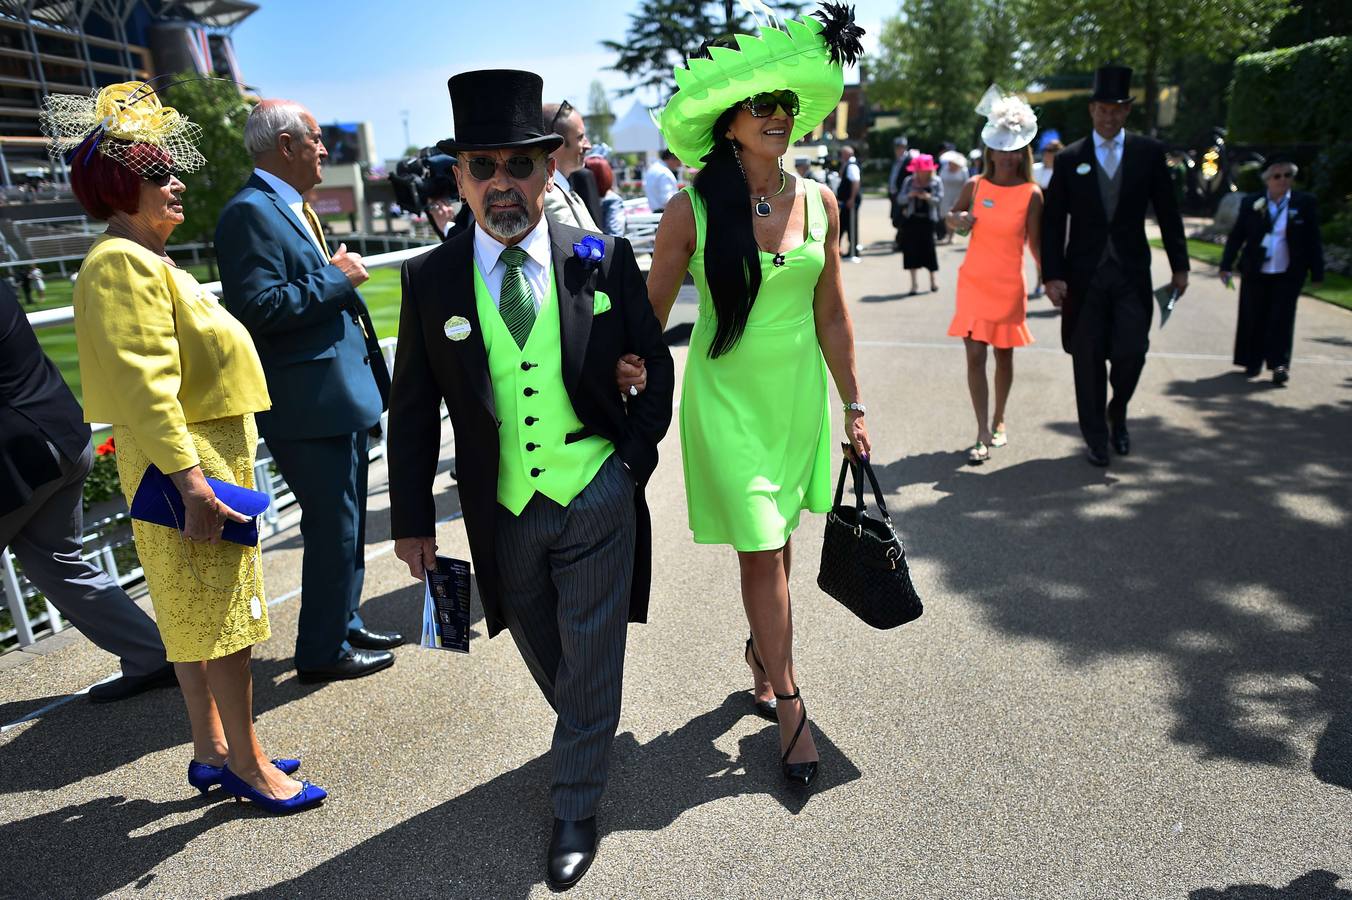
[{"x": 992, "y": 298}]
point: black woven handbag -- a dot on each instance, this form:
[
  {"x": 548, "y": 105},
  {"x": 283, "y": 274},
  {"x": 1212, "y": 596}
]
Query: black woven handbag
[{"x": 863, "y": 560}]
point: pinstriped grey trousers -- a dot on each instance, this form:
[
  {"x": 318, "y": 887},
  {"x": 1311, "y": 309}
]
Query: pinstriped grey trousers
[{"x": 565, "y": 573}]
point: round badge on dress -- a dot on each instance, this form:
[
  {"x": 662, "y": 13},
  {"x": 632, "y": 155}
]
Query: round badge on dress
[
  {"x": 255, "y": 607},
  {"x": 988, "y": 203},
  {"x": 1082, "y": 169},
  {"x": 457, "y": 328}
]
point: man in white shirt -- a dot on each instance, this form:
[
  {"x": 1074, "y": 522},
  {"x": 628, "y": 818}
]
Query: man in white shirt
[
  {"x": 850, "y": 194},
  {"x": 326, "y": 377},
  {"x": 563, "y": 203},
  {"x": 659, "y": 180},
  {"x": 516, "y": 325}
]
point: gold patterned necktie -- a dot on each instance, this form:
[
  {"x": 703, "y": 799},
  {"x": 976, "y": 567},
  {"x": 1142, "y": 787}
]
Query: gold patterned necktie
[
  {"x": 313, "y": 221},
  {"x": 516, "y": 302}
]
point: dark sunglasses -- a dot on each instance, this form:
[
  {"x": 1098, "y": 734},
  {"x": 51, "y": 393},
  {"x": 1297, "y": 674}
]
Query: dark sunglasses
[
  {"x": 483, "y": 168},
  {"x": 1282, "y": 175},
  {"x": 565, "y": 109},
  {"x": 160, "y": 179},
  {"x": 763, "y": 106}
]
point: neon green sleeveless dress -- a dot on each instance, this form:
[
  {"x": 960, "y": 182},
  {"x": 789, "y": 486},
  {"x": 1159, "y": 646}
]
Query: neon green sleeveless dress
[{"x": 755, "y": 427}]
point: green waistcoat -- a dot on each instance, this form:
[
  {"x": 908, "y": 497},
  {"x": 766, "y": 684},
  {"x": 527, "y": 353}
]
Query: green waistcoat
[{"x": 534, "y": 408}]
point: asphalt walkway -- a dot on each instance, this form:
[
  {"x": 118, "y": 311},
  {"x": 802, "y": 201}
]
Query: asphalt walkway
[{"x": 1132, "y": 683}]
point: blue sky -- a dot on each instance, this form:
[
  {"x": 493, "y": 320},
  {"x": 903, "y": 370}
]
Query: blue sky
[{"x": 349, "y": 61}]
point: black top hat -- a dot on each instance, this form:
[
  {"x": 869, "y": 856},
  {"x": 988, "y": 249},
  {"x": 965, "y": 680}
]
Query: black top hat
[
  {"x": 495, "y": 109},
  {"x": 1112, "y": 84}
]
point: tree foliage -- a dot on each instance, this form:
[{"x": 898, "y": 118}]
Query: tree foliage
[
  {"x": 1148, "y": 35},
  {"x": 664, "y": 32},
  {"x": 599, "y": 114},
  {"x": 215, "y": 105}
]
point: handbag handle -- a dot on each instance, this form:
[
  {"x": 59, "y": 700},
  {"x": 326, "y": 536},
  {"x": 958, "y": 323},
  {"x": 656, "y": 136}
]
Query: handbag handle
[{"x": 858, "y": 470}]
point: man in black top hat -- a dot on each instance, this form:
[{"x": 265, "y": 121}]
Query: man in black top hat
[
  {"x": 517, "y": 324},
  {"x": 1100, "y": 276}
]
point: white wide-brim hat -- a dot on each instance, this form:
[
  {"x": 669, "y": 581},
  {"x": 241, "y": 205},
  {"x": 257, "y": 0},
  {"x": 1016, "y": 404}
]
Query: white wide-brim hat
[{"x": 1011, "y": 123}]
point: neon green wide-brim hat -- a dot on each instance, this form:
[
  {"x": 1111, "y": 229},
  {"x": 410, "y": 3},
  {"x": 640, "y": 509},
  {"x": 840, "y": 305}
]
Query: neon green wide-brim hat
[{"x": 806, "y": 57}]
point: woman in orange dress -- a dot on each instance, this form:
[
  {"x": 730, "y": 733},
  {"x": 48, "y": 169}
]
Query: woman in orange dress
[{"x": 1002, "y": 209}]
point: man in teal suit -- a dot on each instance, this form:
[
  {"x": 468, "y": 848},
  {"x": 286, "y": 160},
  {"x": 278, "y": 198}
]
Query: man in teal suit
[{"x": 328, "y": 381}]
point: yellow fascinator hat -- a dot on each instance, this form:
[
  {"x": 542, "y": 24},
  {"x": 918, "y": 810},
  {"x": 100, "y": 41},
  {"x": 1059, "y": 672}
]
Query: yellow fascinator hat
[{"x": 114, "y": 121}]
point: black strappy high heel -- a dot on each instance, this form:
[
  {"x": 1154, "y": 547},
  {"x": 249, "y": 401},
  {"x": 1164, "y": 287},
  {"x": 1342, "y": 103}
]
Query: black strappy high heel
[
  {"x": 764, "y": 708},
  {"x": 800, "y": 773}
]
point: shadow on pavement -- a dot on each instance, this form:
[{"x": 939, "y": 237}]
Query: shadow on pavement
[
  {"x": 1319, "y": 884},
  {"x": 1220, "y": 549},
  {"x": 92, "y": 849},
  {"x": 491, "y": 840}
]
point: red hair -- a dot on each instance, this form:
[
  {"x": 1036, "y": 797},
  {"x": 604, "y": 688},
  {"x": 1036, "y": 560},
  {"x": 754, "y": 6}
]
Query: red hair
[
  {"x": 105, "y": 186},
  {"x": 605, "y": 177}
]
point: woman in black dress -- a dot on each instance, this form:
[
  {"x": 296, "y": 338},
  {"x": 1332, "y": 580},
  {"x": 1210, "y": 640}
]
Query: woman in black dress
[{"x": 914, "y": 214}]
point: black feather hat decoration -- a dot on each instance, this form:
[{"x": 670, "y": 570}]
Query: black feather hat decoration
[{"x": 840, "y": 33}]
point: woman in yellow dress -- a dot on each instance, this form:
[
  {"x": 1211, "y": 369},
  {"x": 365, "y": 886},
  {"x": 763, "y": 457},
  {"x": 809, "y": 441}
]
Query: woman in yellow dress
[{"x": 179, "y": 380}]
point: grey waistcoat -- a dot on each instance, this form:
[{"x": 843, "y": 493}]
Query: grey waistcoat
[{"x": 1110, "y": 189}]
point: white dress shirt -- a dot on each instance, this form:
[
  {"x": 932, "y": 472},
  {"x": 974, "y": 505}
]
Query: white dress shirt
[
  {"x": 1278, "y": 252},
  {"x": 659, "y": 183},
  {"x": 294, "y": 202},
  {"x": 488, "y": 253},
  {"x": 1101, "y": 150}
]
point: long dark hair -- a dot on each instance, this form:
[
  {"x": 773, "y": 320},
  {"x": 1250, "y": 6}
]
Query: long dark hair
[{"x": 731, "y": 254}]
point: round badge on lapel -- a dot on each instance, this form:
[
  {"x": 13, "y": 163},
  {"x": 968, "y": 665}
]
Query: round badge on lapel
[
  {"x": 457, "y": 328},
  {"x": 1082, "y": 169}
]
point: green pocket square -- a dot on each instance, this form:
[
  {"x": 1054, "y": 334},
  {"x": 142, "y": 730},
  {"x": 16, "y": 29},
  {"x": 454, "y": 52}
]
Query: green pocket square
[{"x": 601, "y": 303}]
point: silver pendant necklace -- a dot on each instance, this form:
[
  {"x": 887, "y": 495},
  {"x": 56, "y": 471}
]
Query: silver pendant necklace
[{"x": 762, "y": 207}]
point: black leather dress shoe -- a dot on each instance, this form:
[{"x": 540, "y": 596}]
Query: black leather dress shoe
[
  {"x": 1120, "y": 439},
  {"x": 131, "y": 685},
  {"x": 1281, "y": 375},
  {"x": 353, "y": 664},
  {"x": 367, "y": 639},
  {"x": 1097, "y": 456},
  {"x": 572, "y": 847}
]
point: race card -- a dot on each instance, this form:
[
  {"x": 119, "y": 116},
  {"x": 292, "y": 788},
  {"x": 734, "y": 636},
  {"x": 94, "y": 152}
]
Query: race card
[{"x": 446, "y": 606}]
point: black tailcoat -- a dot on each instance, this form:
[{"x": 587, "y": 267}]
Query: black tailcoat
[
  {"x": 1074, "y": 204},
  {"x": 430, "y": 368}
]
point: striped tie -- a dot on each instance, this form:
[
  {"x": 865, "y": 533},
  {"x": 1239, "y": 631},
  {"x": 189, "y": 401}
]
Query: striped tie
[{"x": 516, "y": 302}]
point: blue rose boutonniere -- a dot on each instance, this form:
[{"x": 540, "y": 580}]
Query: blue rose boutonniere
[{"x": 591, "y": 250}]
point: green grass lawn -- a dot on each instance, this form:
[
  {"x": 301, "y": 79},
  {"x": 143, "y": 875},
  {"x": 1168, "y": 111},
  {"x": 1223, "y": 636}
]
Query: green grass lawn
[
  {"x": 381, "y": 293},
  {"x": 1336, "y": 289}
]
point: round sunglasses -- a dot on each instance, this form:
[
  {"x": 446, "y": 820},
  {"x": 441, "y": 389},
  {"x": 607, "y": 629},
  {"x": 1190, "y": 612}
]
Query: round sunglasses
[
  {"x": 763, "y": 105},
  {"x": 483, "y": 168}
]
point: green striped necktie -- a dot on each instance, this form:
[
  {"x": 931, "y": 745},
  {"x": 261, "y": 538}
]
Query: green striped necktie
[{"x": 516, "y": 302}]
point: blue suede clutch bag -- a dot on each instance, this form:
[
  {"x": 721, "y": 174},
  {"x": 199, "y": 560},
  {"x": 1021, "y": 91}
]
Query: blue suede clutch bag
[{"x": 158, "y": 502}]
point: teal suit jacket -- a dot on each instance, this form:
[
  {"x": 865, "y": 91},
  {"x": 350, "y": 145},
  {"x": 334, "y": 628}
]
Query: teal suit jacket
[{"x": 304, "y": 316}]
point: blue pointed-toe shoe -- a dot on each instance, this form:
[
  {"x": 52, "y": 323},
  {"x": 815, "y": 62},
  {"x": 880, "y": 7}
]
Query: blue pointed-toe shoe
[
  {"x": 308, "y": 796},
  {"x": 204, "y": 777}
]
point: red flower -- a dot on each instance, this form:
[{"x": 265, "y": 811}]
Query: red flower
[{"x": 106, "y": 448}]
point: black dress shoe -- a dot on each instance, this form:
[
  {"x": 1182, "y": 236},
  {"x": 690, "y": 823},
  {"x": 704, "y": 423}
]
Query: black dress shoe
[
  {"x": 131, "y": 685},
  {"x": 1120, "y": 439},
  {"x": 1281, "y": 375},
  {"x": 1097, "y": 456},
  {"x": 572, "y": 847},
  {"x": 352, "y": 664},
  {"x": 367, "y": 639},
  {"x": 1253, "y": 371}
]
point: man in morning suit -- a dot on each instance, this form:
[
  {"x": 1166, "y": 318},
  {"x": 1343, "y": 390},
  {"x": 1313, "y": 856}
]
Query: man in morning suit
[
  {"x": 44, "y": 460},
  {"x": 1277, "y": 243},
  {"x": 327, "y": 379},
  {"x": 1100, "y": 276},
  {"x": 519, "y": 335}
]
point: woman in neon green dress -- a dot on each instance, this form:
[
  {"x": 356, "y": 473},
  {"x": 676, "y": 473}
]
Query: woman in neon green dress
[{"x": 761, "y": 246}]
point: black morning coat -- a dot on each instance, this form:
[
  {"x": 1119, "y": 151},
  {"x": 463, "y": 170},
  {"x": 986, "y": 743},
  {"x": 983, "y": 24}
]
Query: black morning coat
[
  {"x": 430, "y": 368},
  {"x": 1074, "y": 195},
  {"x": 1302, "y": 238}
]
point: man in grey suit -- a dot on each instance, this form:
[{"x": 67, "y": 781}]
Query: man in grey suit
[
  {"x": 563, "y": 204},
  {"x": 44, "y": 460}
]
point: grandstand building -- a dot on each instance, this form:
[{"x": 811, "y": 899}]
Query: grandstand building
[{"x": 75, "y": 46}]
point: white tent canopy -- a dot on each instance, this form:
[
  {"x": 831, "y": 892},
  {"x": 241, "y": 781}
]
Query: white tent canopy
[{"x": 636, "y": 133}]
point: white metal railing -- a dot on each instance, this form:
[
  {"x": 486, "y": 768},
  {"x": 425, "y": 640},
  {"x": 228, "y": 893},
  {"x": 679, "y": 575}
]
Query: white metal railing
[{"x": 101, "y": 549}]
